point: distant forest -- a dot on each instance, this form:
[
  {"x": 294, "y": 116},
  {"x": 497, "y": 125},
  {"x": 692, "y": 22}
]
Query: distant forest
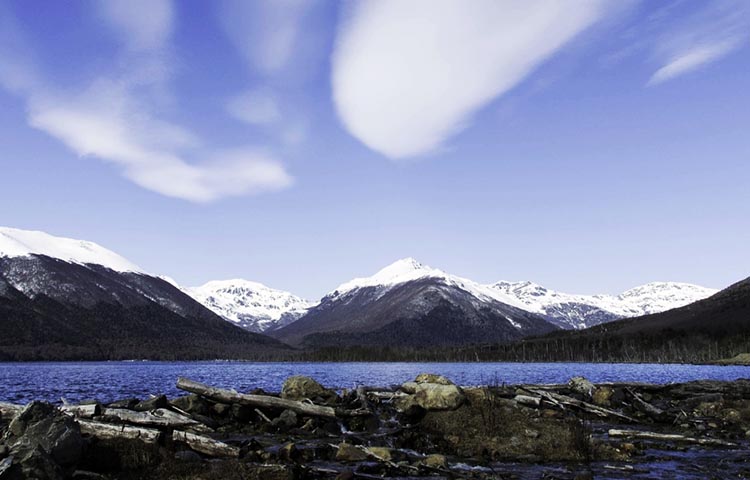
[{"x": 654, "y": 347}]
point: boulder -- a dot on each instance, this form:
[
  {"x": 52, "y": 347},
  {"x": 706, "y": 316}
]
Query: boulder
[
  {"x": 300, "y": 387},
  {"x": 43, "y": 442},
  {"x": 581, "y": 385},
  {"x": 349, "y": 453},
  {"x": 434, "y": 396},
  {"x": 288, "y": 419},
  {"x": 41, "y": 424},
  {"x": 432, "y": 378},
  {"x": 602, "y": 396},
  {"x": 192, "y": 404}
]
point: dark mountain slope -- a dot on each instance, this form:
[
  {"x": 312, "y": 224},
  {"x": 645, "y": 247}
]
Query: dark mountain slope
[
  {"x": 51, "y": 309},
  {"x": 707, "y": 330},
  {"x": 422, "y": 313}
]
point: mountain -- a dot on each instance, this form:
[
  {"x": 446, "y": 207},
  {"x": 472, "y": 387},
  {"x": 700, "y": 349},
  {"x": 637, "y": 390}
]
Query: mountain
[
  {"x": 62, "y": 298},
  {"x": 582, "y": 311},
  {"x": 410, "y": 304},
  {"x": 250, "y": 305},
  {"x": 707, "y": 330}
]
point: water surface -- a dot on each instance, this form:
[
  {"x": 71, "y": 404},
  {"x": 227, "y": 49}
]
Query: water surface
[{"x": 106, "y": 381}]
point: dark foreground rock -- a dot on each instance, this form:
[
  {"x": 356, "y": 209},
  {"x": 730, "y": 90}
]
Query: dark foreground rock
[{"x": 426, "y": 428}]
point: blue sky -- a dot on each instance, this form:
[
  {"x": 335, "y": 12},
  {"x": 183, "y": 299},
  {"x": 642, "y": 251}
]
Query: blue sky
[{"x": 301, "y": 143}]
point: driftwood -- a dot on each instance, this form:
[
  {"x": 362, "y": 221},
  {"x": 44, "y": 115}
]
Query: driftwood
[
  {"x": 564, "y": 400},
  {"x": 645, "y": 407},
  {"x": 267, "y": 401},
  {"x": 528, "y": 400},
  {"x": 107, "y": 431},
  {"x": 161, "y": 417},
  {"x": 206, "y": 445},
  {"x": 82, "y": 411},
  {"x": 673, "y": 437}
]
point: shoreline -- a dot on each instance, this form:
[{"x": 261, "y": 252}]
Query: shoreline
[{"x": 426, "y": 427}]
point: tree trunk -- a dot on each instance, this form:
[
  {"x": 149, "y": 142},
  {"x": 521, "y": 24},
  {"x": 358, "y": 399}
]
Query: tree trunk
[
  {"x": 107, "y": 431},
  {"x": 206, "y": 445},
  {"x": 267, "y": 401}
]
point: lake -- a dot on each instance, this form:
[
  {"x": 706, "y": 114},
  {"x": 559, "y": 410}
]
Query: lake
[{"x": 107, "y": 381}]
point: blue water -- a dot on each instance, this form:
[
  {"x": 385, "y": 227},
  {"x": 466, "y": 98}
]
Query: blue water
[{"x": 106, "y": 381}]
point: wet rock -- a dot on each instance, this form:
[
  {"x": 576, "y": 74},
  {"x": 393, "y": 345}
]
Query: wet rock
[
  {"x": 603, "y": 396},
  {"x": 581, "y": 385},
  {"x": 350, "y": 453},
  {"x": 300, "y": 387},
  {"x": 432, "y": 378},
  {"x": 435, "y": 461},
  {"x": 152, "y": 404}
]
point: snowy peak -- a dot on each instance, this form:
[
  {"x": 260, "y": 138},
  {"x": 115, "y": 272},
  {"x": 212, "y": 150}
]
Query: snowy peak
[
  {"x": 22, "y": 243},
  {"x": 657, "y": 297},
  {"x": 400, "y": 271},
  {"x": 582, "y": 311},
  {"x": 250, "y": 305}
]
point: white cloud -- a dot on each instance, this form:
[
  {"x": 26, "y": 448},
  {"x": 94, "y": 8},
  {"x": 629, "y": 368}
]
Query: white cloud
[
  {"x": 256, "y": 107},
  {"x": 107, "y": 123},
  {"x": 409, "y": 74},
  {"x": 707, "y": 35},
  {"x": 690, "y": 60},
  {"x": 115, "y": 119}
]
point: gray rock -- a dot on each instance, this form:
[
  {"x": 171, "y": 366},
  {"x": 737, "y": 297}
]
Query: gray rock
[
  {"x": 287, "y": 419},
  {"x": 581, "y": 385},
  {"x": 41, "y": 424}
]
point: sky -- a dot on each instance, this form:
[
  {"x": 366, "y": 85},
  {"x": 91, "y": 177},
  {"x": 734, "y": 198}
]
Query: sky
[{"x": 301, "y": 143}]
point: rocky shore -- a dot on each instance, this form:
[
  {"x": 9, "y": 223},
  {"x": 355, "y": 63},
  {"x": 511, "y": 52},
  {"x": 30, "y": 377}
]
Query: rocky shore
[{"x": 425, "y": 428}]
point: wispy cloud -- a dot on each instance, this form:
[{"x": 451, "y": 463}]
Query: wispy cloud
[
  {"x": 709, "y": 34},
  {"x": 256, "y": 107},
  {"x": 265, "y": 31},
  {"x": 114, "y": 118},
  {"x": 408, "y": 75}
]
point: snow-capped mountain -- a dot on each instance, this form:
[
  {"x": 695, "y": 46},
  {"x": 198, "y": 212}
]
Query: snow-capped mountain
[
  {"x": 23, "y": 243},
  {"x": 62, "y": 298},
  {"x": 251, "y": 305},
  {"x": 411, "y": 304},
  {"x": 582, "y": 311}
]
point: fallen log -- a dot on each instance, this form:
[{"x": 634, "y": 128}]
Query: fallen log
[
  {"x": 671, "y": 437},
  {"x": 206, "y": 445},
  {"x": 645, "y": 407},
  {"x": 82, "y": 411},
  {"x": 556, "y": 398},
  {"x": 107, "y": 431},
  {"x": 528, "y": 400},
  {"x": 267, "y": 401},
  {"x": 161, "y": 417}
]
